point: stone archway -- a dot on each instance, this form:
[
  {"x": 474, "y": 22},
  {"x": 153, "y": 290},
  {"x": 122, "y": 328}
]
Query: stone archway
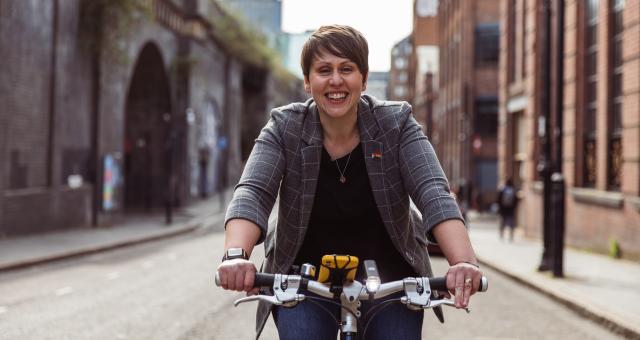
[{"x": 147, "y": 137}]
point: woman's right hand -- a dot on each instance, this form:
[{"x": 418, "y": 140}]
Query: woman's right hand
[{"x": 238, "y": 275}]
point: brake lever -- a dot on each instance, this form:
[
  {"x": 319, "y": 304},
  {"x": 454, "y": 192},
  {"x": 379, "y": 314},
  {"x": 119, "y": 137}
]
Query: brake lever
[
  {"x": 290, "y": 301},
  {"x": 444, "y": 302},
  {"x": 269, "y": 299}
]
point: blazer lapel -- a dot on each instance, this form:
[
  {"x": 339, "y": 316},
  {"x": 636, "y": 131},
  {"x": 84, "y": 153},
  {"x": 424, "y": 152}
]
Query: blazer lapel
[
  {"x": 373, "y": 147},
  {"x": 311, "y": 151}
]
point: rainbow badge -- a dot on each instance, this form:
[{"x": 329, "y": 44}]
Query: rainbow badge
[{"x": 376, "y": 154}]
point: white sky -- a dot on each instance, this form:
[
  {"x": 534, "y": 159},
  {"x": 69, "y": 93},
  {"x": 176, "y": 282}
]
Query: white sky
[{"x": 383, "y": 22}]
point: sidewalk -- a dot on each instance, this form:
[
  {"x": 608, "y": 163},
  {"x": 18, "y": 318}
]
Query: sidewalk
[
  {"x": 24, "y": 251},
  {"x": 596, "y": 286}
]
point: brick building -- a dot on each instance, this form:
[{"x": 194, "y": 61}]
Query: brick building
[
  {"x": 399, "y": 71},
  {"x": 600, "y": 149},
  {"x": 424, "y": 62},
  {"x": 118, "y": 109},
  {"x": 466, "y": 110}
]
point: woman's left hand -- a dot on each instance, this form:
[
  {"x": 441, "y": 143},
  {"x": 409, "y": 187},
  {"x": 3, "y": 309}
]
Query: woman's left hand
[{"x": 463, "y": 280}]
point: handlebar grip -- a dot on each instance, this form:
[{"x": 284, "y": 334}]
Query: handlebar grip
[
  {"x": 264, "y": 280},
  {"x": 440, "y": 283}
]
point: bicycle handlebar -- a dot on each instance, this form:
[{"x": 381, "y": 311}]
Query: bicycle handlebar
[
  {"x": 418, "y": 294},
  {"x": 436, "y": 283}
]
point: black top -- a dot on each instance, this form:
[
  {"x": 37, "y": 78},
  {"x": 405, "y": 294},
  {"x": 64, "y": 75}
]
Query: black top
[{"x": 345, "y": 220}]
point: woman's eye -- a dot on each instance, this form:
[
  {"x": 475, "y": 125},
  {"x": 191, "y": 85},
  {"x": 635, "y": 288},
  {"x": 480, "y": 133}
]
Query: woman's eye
[
  {"x": 324, "y": 71},
  {"x": 347, "y": 69}
]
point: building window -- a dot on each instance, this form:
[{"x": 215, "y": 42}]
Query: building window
[
  {"x": 400, "y": 63},
  {"x": 400, "y": 91},
  {"x": 590, "y": 92},
  {"x": 614, "y": 161},
  {"x": 402, "y": 77},
  {"x": 511, "y": 40},
  {"x": 487, "y": 41},
  {"x": 486, "y": 120}
]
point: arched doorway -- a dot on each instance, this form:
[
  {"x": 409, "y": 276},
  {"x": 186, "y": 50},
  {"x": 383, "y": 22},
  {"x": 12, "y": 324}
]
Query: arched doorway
[{"x": 147, "y": 139}]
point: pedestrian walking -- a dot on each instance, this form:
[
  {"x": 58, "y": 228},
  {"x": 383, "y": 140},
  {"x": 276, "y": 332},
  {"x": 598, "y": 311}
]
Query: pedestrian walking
[
  {"x": 344, "y": 166},
  {"x": 507, "y": 202}
]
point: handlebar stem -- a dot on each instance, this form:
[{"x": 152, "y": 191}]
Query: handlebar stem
[{"x": 350, "y": 300}]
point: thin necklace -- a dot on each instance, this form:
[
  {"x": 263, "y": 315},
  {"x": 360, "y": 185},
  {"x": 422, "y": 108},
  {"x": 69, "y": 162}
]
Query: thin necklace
[{"x": 342, "y": 177}]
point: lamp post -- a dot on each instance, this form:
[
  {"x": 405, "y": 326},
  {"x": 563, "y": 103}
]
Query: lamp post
[
  {"x": 169, "y": 153},
  {"x": 544, "y": 127},
  {"x": 557, "y": 179},
  {"x": 550, "y": 165}
]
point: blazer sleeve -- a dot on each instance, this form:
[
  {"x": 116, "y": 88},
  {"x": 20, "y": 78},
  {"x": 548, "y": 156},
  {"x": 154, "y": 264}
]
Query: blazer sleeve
[
  {"x": 255, "y": 194},
  {"x": 423, "y": 177}
]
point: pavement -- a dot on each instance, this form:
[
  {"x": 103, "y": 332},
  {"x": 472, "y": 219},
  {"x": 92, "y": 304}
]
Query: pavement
[
  {"x": 598, "y": 287},
  {"x": 25, "y": 251}
]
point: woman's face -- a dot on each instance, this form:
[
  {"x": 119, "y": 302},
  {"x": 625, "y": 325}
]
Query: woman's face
[{"x": 335, "y": 84}]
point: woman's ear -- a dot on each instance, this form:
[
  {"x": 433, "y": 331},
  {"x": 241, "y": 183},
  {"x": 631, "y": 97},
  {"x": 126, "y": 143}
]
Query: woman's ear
[
  {"x": 364, "y": 82},
  {"x": 307, "y": 86}
]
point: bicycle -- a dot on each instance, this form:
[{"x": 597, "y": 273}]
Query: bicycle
[{"x": 338, "y": 283}]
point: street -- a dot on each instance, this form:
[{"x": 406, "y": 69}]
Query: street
[{"x": 164, "y": 290}]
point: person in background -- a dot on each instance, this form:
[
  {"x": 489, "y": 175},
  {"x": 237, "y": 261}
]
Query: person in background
[
  {"x": 507, "y": 202},
  {"x": 344, "y": 167}
]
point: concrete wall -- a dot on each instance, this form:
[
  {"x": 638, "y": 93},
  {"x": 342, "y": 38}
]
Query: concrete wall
[{"x": 46, "y": 128}]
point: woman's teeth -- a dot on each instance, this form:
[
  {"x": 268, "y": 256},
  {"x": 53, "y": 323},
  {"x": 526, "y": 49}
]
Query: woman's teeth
[{"x": 336, "y": 95}]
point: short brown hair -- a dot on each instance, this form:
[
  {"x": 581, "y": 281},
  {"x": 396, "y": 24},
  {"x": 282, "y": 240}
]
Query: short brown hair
[{"x": 340, "y": 40}]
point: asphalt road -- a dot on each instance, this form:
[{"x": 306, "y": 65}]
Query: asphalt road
[{"x": 164, "y": 290}]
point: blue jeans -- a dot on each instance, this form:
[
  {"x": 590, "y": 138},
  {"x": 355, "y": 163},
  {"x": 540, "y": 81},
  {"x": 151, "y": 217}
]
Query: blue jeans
[{"x": 309, "y": 321}]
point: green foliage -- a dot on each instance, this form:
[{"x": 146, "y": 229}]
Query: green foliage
[
  {"x": 246, "y": 44},
  {"x": 106, "y": 24},
  {"x": 614, "y": 248},
  {"x": 183, "y": 65}
]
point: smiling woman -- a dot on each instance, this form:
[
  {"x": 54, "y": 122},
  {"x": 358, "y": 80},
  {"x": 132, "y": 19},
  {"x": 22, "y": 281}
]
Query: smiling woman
[{"x": 344, "y": 166}]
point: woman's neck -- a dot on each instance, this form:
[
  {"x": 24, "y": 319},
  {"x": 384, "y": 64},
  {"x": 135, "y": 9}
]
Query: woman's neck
[{"x": 340, "y": 137}]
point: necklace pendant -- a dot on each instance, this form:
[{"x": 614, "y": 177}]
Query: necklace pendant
[{"x": 343, "y": 179}]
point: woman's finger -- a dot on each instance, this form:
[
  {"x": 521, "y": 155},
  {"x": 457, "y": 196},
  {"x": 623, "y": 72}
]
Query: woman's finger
[
  {"x": 249, "y": 279},
  {"x": 459, "y": 288},
  {"x": 239, "y": 280},
  {"x": 222, "y": 276},
  {"x": 468, "y": 287}
]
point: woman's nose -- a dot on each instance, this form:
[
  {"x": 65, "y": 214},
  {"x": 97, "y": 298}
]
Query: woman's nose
[{"x": 336, "y": 78}]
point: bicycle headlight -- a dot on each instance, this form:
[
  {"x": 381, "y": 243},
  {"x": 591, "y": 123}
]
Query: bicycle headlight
[{"x": 373, "y": 284}]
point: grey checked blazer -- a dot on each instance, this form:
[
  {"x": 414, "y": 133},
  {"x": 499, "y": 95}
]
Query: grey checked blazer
[{"x": 285, "y": 161}]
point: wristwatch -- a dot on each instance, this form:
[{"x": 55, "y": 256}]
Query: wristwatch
[{"x": 234, "y": 253}]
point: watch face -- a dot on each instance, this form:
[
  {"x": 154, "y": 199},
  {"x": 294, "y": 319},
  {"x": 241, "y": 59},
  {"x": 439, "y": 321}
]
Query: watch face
[
  {"x": 234, "y": 252},
  {"x": 427, "y": 8}
]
